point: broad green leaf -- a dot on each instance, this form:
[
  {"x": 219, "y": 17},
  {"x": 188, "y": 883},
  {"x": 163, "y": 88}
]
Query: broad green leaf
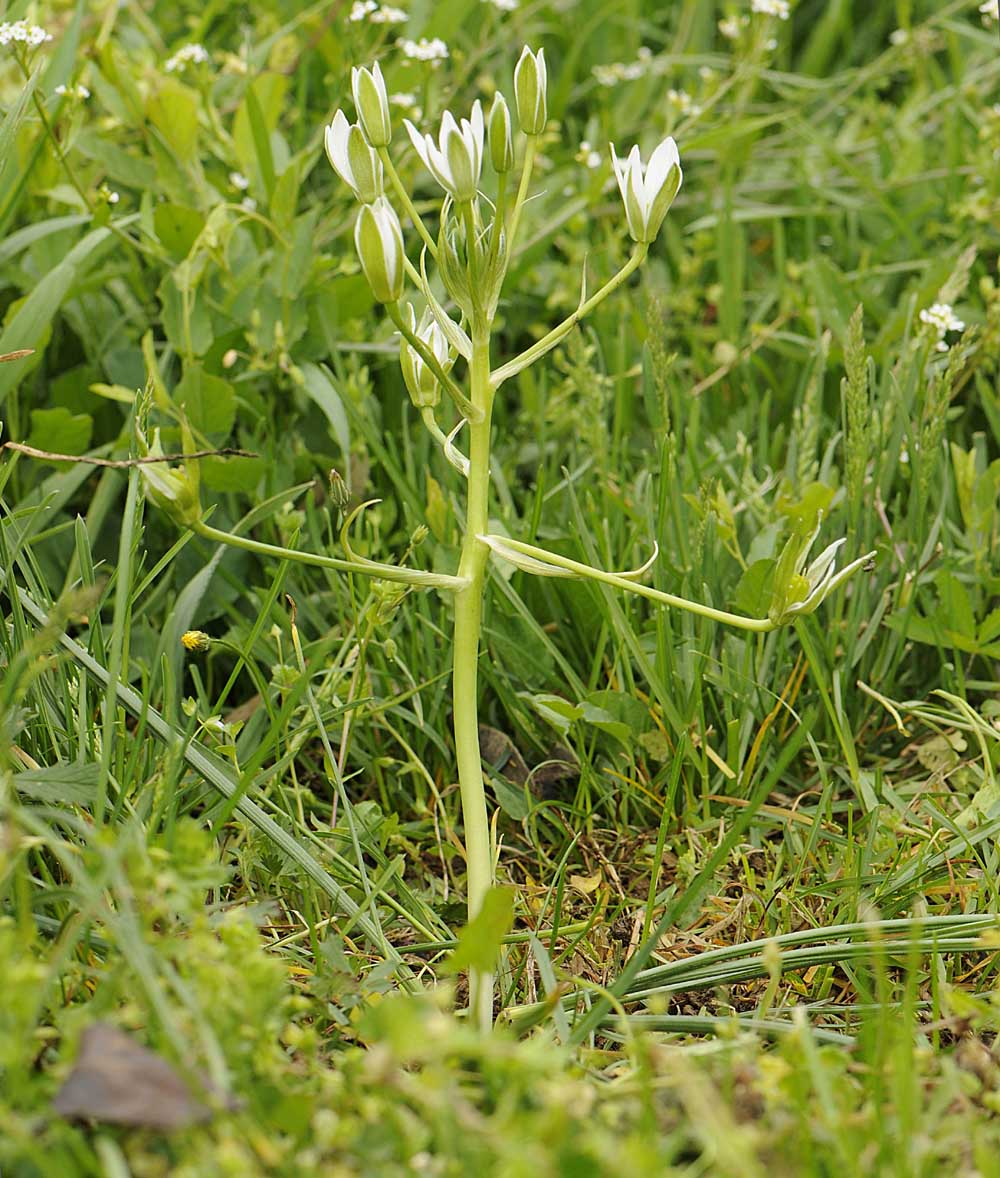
[
  {"x": 33, "y": 317},
  {"x": 804, "y": 511},
  {"x": 621, "y": 707},
  {"x": 60, "y": 431},
  {"x": 186, "y": 332},
  {"x": 479, "y": 942},
  {"x": 318, "y": 385},
  {"x": 177, "y": 227},
  {"x": 559, "y": 712},
  {"x": 232, "y": 474},
  {"x": 605, "y": 722},
  {"x": 173, "y": 109},
  {"x": 209, "y": 401},
  {"x": 755, "y": 591}
]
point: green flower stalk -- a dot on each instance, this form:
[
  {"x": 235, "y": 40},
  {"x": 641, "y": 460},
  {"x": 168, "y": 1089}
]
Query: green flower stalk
[{"x": 472, "y": 250}]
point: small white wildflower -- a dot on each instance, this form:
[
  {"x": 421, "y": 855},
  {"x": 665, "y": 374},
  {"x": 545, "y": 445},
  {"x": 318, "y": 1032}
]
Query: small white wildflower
[
  {"x": 78, "y": 91},
  {"x": 990, "y": 10},
  {"x": 778, "y": 8},
  {"x": 607, "y": 75},
  {"x": 648, "y": 190},
  {"x": 249, "y": 204},
  {"x": 404, "y": 98},
  {"x": 644, "y": 53},
  {"x": 731, "y": 27},
  {"x": 21, "y": 33},
  {"x": 456, "y": 160},
  {"x": 706, "y": 73},
  {"x": 683, "y": 102},
  {"x": 387, "y": 15},
  {"x": 588, "y": 156},
  {"x": 193, "y": 54},
  {"x": 942, "y": 319},
  {"x": 771, "y": 44},
  {"x": 113, "y": 198},
  {"x": 362, "y": 9},
  {"x": 899, "y": 36},
  {"x": 423, "y": 50},
  {"x": 503, "y": 5},
  {"x": 238, "y": 180}
]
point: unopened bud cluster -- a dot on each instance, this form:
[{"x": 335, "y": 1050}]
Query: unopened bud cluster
[
  {"x": 353, "y": 150},
  {"x": 470, "y": 250}
]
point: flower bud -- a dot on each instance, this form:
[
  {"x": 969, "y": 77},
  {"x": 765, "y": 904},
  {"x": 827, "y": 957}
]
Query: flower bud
[
  {"x": 352, "y": 159},
  {"x": 421, "y": 383},
  {"x": 529, "y": 88},
  {"x": 456, "y": 160},
  {"x": 196, "y": 641},
  {"x": 800, "y": 590},
  {"x": 378, "y": 239},
  {"x": 372, "y": 104},
  {"x": 173, "y": 489},
  {"x": 501, "y": 148},
  {"x": 648, "y": 192}
]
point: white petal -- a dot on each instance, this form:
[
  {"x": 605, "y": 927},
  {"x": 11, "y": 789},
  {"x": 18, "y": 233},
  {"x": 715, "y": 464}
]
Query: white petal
[
  {"x": 448, "y": 125},
  {"x": 478, "y": 128},
  {"x": 634, "y": 177},
  {"x": 660, "y": 163},
  {"x": 380, "y": 85},
  {"x": 335, "y": 141},
  {"x": 420, "y": 142},
  {"x": 822, "y": 566},
  {"x": 619, "y": 167}
]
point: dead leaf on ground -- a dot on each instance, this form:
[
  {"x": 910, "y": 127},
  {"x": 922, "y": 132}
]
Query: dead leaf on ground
[
  {"x": 119, "y": 1082},
  {"x": 500, "y": 752}
]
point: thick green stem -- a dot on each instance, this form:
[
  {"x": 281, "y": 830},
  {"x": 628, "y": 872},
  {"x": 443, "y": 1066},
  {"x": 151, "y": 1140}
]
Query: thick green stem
[{"x": 468, "y": 622}]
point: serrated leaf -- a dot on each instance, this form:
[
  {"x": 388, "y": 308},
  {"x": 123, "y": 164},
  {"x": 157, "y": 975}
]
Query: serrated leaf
[{"x": 70, "y": 784}]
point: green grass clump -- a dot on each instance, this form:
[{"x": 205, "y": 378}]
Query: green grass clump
[{"x": 754, "y": 875}]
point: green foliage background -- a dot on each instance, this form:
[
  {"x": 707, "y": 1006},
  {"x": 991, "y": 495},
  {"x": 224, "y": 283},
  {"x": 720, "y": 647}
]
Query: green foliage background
[{"x": 178, "y": 852}]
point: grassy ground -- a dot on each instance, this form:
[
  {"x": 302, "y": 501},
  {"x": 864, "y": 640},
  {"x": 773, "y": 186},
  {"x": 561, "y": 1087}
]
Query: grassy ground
[{"x": 754, "y": 875}]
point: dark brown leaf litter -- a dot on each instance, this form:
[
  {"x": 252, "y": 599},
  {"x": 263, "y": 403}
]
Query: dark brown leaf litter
[
  {"x": 117, "y": 1081},
  {"x": 557, "y": 767}
]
